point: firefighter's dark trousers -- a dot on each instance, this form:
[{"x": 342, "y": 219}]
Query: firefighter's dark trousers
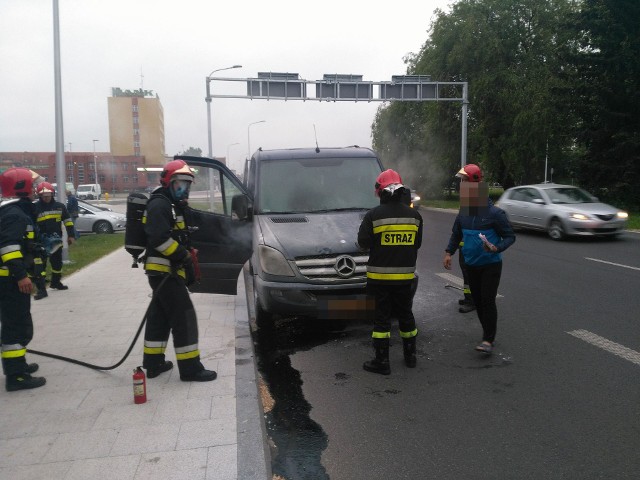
[
  {"x": 171, "y": 311},
  {"x": 16, "y": 326},
  {"x": 484, "y": 281},
  {"x": 56, "y": 266},
  {"x": 392, "y": 301}
]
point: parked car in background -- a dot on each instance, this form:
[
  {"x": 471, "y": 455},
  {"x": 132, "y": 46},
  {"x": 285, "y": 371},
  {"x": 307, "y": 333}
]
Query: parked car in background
[
  {"x": 94, "y": 219},
  {"x": 561, "y": 210}
]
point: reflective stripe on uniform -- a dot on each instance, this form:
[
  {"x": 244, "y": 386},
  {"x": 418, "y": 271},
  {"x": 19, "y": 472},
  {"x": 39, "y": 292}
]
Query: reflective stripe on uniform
[
  {"x": 4, "y": 272},
  {"x": 381, "y": 335},
  {"x": 395, "y": 221},
  {"x": 410, "y": 334},
  {"x": 68, "y": 223},
  {"x": 185, "y": 353},
  {"x": 168, "y": 247},
  {"x": 180, "y": 225},
  {"x": 13, "y": 351},
  {"x": 157, "y": 264},
  {"x": 51, "y": 215},
  {"x": 154, "y": 348},
  {"x": 10, "y": 252},
  {"x": 390, "y": 273}
]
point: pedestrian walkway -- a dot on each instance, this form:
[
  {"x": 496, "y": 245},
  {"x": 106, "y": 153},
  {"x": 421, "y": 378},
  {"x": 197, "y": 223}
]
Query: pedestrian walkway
[{"x": 83, "y": 424}]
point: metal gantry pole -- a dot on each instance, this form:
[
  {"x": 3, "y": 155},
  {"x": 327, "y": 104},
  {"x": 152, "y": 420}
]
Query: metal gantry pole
[
  {"x": 208, "y": 100},
  {"x": 463, "y": 140}
]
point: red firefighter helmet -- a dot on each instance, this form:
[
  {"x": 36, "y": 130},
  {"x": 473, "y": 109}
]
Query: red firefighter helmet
[
  {"x": 45, "y": 187},
  {"x": 174, "y": 167},
  {"x": 16, "y": 182},
  {"x": 471, "y": 172},
  {"x": 386, "y": 178}
]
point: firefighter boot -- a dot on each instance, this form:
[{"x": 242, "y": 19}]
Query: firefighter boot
[
  {"x": 380, "y": 364},
  {"x": 409, "y": 350},
  {"x": 56, "y": 283},
  {"x": 23, "y": 381},
  {"x": 467, "y": 304},
  {"x": 153, "y": 372},
  {"x": 42, "y": 289}
]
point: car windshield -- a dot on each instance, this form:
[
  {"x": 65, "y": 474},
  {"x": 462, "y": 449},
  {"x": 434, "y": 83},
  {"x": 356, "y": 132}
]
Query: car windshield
[
  {"x": 569, "y": 195},
  {"x": 317, "y": 184}
]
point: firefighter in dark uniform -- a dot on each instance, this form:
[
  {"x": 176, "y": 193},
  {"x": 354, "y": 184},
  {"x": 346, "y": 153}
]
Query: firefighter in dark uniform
[
  {"x": 169, "y": 267},
  {"x": 16, "y": 239},
  {"x": 50, "y": 215},
  {"x": 392, "y": 232}
]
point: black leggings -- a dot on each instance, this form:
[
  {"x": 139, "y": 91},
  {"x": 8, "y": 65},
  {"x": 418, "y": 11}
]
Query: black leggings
[{"x": 484, "y": 281}]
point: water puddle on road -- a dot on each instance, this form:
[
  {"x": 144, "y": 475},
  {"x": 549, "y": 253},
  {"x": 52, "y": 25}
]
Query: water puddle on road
[{"x": 296, "y": 441}]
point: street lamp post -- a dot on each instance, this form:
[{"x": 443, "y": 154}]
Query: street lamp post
[
  {"x": 208, "y": 100},
  {"x": 229, "y": 146},
  {"x": 95, "y": 163},
  {"x": 249, "y": 136}
]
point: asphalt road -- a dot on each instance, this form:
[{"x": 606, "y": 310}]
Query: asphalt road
[{"x": 559, "y": 399}]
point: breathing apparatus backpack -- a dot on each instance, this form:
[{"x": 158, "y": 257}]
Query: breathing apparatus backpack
[{"x": 135, "y": 240}]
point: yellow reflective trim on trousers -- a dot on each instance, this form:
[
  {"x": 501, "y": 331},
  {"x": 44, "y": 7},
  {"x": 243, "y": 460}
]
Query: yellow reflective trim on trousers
[
  {"x": 14, "y": 353},
  {"x": 410, "y": 334},
  {"x": 4, "y": 272},
  {"x": 164, "y": 268},
  {"x": 154, "y": 350},
  {"x": 390, "y": 276},
  {"x": 381, "y": 335},
  {"x": 56, "y": 271},
  {"x": 188, "y": 355}
]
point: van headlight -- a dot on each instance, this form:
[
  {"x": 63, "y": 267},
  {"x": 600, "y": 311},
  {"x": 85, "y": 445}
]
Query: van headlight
[{"x": 273, "y": 262}]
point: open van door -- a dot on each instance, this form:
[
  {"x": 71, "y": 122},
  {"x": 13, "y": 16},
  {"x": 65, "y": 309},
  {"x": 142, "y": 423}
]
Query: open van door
[{"x": 220, "y": 215}]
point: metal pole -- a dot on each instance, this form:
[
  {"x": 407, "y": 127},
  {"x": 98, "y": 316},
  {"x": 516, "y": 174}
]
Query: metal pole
[
  {"x": 465, "y": 106},
  {"x": 208, "y": 100},
  {"x": 60, "y": 160},
  {"x": 229, "y": 146},
  {"x": 95, "y": 164},
  {"x": 249, "y": 136}
]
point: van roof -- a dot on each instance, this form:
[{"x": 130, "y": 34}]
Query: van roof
[{"x": 297, "y": 153}]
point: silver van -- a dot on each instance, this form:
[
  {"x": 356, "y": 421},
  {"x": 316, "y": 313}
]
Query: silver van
[{"x": 296, "y": 218}]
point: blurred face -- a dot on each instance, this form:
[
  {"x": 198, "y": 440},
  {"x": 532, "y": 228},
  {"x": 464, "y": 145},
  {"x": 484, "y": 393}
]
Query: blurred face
[
  {"x": 46, "y": 197},
  {"x": 474, "y": 197}
]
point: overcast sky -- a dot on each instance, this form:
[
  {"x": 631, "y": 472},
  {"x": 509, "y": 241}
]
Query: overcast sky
[{"x": 170, "y": 47}]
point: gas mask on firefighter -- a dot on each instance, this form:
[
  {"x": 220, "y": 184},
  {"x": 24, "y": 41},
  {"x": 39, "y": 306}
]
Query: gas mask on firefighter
[{"x": 180, "y": 189}]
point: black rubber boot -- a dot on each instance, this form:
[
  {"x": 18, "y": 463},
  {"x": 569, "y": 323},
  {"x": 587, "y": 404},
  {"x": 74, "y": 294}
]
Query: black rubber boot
[
  {"x": 200, "y": 376},
  {"x": 42, "y": 288},
  {"x": 409, "y": 350},
  {"x": 380, "y": 364},
  {"x": 32, "y": 368},
  {"x": 23, "y": 381},
  {"x": 153, "y": 372}
]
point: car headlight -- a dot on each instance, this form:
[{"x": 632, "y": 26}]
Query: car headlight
[
  {"x": 273, "y": 262},
  {"x": 416, "y": 198},
  {"x": 623, "y": 215},
  {"x": 579, "y": 216}
]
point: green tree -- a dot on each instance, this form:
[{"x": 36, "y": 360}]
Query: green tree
[
  {"x": 510, "y": 53},
  {"x": 605, "y": 93},
  {"x": 192, "y": 151}
]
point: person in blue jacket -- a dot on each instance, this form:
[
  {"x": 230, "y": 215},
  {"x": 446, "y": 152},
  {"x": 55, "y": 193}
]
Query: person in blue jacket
[{"x": 485, "y": 232}]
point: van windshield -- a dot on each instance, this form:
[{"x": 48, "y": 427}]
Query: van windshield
[
  {"x": 317, "y": 184},
  {"x": 84, "y": 189}
]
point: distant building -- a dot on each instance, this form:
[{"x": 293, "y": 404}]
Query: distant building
[
  {"x": 136, "y": 125},
  {"x": 116, "y": 174}
]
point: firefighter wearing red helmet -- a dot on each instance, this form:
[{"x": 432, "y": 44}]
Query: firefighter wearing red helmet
[
  {"x": 169, "y": 268},
  {"x": 482, "y": 231},
  {"x": 392, "y": 232},
  {"x": 17, "y": 235},
  {"x": 50, "y": 216}
]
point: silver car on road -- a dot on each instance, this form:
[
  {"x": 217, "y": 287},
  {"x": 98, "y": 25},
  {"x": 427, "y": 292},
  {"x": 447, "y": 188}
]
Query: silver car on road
[
  {"x": 561, "y": 210},
  {"x": 97, "y": 220}
]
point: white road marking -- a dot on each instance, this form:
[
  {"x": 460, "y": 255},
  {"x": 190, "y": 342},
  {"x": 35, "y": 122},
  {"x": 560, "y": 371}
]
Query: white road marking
[
  {"x": 611, "y": 263},
  {"x": 611, "y": 347},
  {"x": 456, "y": 281}
]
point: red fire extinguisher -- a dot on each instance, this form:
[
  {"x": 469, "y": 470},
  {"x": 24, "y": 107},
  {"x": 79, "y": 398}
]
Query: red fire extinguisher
[{"x": 139, "y": 386}]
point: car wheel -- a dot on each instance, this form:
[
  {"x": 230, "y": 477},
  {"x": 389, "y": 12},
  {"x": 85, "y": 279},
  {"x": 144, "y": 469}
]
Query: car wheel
[
  {"x": 102, "y": 227},
  {"x": 556, "y": 230}
]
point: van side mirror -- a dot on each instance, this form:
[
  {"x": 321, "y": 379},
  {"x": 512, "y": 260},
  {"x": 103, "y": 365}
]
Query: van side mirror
[{"x": 240, "y": 206}]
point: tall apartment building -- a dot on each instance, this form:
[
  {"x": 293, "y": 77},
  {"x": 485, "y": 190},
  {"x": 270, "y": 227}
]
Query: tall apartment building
[{"x": 136, "y": 125}]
